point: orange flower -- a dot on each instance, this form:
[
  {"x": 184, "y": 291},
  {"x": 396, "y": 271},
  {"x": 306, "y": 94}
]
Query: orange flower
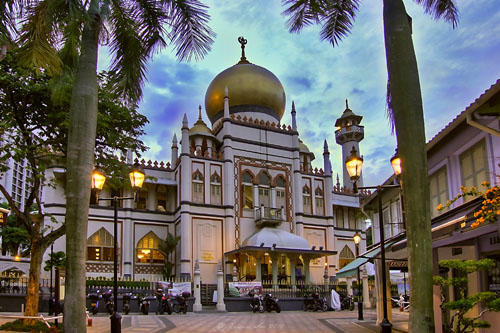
[{"x": 439, "y": 207}]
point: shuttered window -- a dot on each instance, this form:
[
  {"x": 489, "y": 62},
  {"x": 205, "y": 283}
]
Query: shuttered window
[
  {"x": 474, "y": 166},
  {"x": 438, "y": 183}
]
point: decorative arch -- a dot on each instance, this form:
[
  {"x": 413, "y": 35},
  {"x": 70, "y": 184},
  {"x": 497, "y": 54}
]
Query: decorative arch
[
  {"x": 345, "y": 256},
  {"x": 100, "y": 246},
  {"x": 306, "y": 190},
  {"x": 147, "y": 249},
  {"x": 318, "y": 192},
  {"x": 279, "y": 181},
  {"x": 251, "y": 176},
  {"x": 264, "y": 178}
]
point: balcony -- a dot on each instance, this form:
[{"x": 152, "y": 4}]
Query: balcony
[{"x": 267, "y": 216}]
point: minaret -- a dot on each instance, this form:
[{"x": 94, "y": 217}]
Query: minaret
[
  {"x": 175, "y": 151},
  {"x": 348, "y": 134},
  {"x": 294, "y": 120}
]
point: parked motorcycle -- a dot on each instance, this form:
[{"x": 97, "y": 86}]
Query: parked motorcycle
[
  {"x": 320, "y": 302},
  {"x": 165, "y": 305},
  {"x": 126, "y": 302},
  {"x": 181, "y": 305},
  {"x": 309, "y": 303},
  {"x": 347, "y": 303},
  {"x": 271, "y": 303},
  {"x": 143, "y": 304},
  {"x": 108, "y": 300},
  {"x": 94, "y": 302},
  {"x": 256, "y": 302}
]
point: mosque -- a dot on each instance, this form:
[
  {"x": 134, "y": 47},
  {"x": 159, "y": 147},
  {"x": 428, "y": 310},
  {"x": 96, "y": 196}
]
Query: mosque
[{"x": 240, "y": 190}]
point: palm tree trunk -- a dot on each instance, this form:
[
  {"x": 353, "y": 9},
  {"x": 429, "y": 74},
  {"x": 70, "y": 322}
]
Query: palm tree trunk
[
  {"x": 409, "y": 123},
  {"x": 34, "y": 274},
  {"x": 80, "y": 162}
]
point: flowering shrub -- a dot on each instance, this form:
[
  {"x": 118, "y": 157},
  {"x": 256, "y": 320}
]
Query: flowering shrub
[{"x": 490, "y": 208}]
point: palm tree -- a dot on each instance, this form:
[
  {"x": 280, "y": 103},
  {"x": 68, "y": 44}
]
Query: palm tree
[
  {"x": 405, "y": 109},
  {"x": 166, "y": 247},
  {"x": 63, "y": 36}
]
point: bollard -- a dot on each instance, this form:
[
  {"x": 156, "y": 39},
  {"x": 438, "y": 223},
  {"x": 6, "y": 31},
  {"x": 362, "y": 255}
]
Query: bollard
[{"x": 89, "y": 322}]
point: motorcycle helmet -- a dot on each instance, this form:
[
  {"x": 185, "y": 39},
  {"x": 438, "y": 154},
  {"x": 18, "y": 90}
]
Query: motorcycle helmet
[{"x": 186, "y": 294}]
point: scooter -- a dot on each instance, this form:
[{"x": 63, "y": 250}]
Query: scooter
[
  {"x": 309, "y": 303},
  {"x": 256, "y": 302},
  {"x": 108, "y": 300},
  {"x": 165, "y": 305},
  {"x": 181, "y": 305},
  {"x": 320, "y": 303},
  {"x": 94, "y": 302},
  {"x": 271, "y": 303},
  {"x": 126, "y": 302},
  {"x": 143, "y": 304},
  {"x": 347, "y": 303}
]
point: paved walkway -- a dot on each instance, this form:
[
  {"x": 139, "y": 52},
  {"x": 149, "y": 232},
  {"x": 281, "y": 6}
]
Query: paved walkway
[{"x": 247, "y": 322}]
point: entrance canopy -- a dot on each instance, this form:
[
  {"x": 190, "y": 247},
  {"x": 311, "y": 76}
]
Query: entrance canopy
[{"x": 351, "y": 268}]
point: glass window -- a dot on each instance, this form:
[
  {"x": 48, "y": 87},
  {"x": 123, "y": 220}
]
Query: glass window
[
  {"x": 247, "y": 190},
  {"x": 100, "y": 246},
  {"x": 198, "y": 187},
  {"x": 147, "y": 249},
  {"x": 345, "y": 256},
  {"x": 474, "y": 166},
  {"x": 318, "y": 196},
  {"x": 438, "y": 186},
  {"x": 215, "y": 190},
  {"x": 306, "y": 198},
  {"x": 161, "y": 198}
]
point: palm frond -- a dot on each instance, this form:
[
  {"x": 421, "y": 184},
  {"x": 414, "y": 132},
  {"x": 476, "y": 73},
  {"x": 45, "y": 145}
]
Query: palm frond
[
  {"x": 38, "y": 37},
  {"x": 11, "y": 11},
  {"x": 190, "y": 33},
  {"x": 445, "y": 9},
  {"x": 301, "y": 13},
  {"x": 152, "y": 19},
  {"x": 130, "y": 56},
  {"x": 337, "y": 19}
]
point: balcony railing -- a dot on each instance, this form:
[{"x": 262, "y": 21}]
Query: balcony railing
[{"x": 269, "y": 216}]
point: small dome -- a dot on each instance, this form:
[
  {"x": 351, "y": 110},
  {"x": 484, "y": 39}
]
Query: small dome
[
  {"x": 303, "y": 148},
  {"x": 200, "y": 127},
  {"x": 282, "y": 239},
  {"x": 249, "y": 86}
]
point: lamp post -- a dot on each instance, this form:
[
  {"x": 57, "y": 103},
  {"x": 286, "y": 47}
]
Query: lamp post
[
  {"x": 357, "y": 240},
  {"x": 136, "y": 175},
  {"x": 354, "y": 164}
]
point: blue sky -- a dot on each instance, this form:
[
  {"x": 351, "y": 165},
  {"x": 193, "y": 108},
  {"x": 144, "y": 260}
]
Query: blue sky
[{"x": 455, "y": 66}]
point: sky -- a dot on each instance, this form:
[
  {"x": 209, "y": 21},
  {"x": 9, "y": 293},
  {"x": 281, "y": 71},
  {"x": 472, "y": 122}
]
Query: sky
[{"x": 455, "y": 65}]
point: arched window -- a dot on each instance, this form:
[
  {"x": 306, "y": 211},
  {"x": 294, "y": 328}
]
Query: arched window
[
  {"x": 280, "y": 192},
  {"x": 100, "y": 246},
  {"x": 247, "y": 190},
  {"x": 352, "y": 219},
  {"x": 264, "y": 188},
  {"x": 345, "y": 256},
  {"x": 197, "y": 187},
  {"x": 320, "y": 202},
  {"x": 147, "y": 249},
  {"x": 215, "y": 189},
  {"x": 340, "y": 217},
  {"x": 306, "y": 197}
]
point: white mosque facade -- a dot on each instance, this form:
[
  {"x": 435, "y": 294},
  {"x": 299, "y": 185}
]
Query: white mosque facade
[{"x": 240, "y": 190}]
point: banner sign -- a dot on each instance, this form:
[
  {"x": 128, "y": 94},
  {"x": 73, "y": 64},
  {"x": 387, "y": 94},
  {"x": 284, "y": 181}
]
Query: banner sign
[
  {"x": 179, "y": 287},
  {"x": 244, "y": 287}
]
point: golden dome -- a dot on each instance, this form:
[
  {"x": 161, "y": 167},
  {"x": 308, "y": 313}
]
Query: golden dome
[
  {"x": 249, "y": 86},
  {"x": 199, "y": 126}
]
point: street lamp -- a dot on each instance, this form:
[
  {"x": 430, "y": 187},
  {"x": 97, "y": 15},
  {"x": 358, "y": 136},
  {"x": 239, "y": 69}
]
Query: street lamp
[
  {"x": 357, "y": 240},
  {"x": 136, "y": 175},
  {"x": 396, "y": 163}
]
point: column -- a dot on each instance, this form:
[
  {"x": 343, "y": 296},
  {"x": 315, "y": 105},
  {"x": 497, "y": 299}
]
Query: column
[
  {"x": 366, "y": 291},
  {"x": 258, "y": 275},
  {"x": 274, "y": 258},
  {"x": 349, "y": 286},
  {"x": 293, "y": 278},
  {"x": 220, "y": 289},
  {"x": 197, "y": 288},
  {"x": 378, "y": 284},
  {"x": 306, "y": 269}
]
